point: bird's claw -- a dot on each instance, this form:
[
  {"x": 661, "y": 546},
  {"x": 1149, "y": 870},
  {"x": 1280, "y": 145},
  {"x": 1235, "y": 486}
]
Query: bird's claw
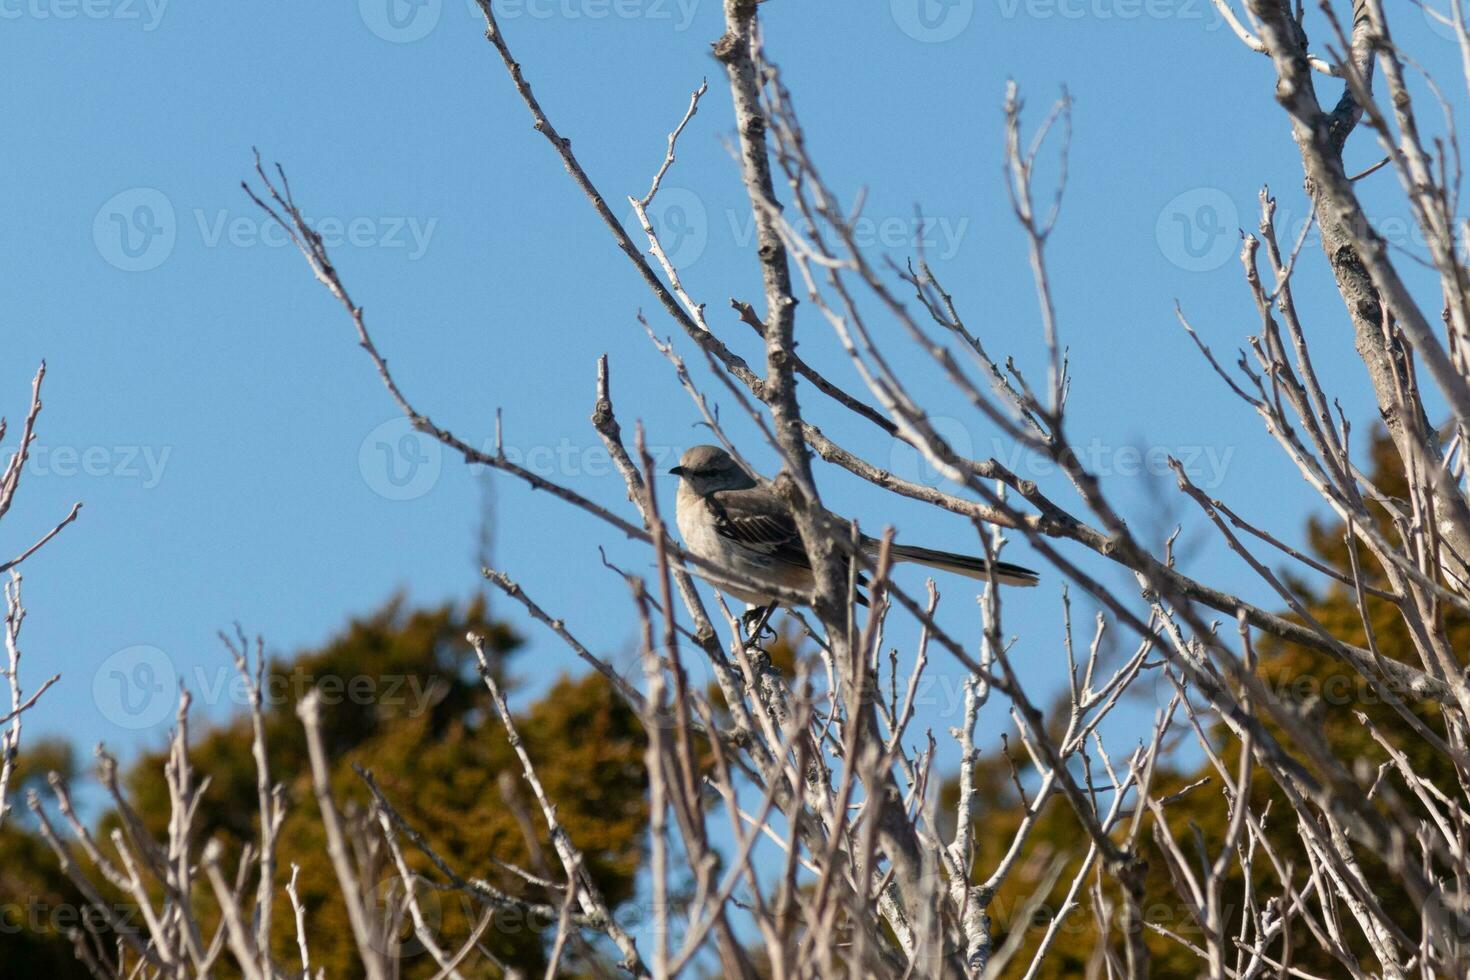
[{"x": 757, "y": 624}]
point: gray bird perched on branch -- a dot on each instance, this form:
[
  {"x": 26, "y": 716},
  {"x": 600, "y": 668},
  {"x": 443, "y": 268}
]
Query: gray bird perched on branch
[{"x": 731, "y": 521}]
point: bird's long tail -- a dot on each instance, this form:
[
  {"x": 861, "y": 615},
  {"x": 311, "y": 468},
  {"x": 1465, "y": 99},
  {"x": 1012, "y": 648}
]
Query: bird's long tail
[{"x": 966, "y": 565}]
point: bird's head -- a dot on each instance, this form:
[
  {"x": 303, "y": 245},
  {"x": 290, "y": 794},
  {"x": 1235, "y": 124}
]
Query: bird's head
[{"x": 706, "y": 469}]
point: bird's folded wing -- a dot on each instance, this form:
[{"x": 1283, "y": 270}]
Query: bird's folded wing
[{"x": 758, "y": 520}]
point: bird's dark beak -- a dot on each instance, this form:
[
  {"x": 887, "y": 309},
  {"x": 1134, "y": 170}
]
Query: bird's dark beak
[{"x": 677, "y": 471}]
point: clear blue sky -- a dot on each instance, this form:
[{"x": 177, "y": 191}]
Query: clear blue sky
[{"x": 207, "y": 402}]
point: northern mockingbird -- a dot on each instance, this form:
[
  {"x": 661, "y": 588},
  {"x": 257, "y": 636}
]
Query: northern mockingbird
[{"x": 731, "y": 521}]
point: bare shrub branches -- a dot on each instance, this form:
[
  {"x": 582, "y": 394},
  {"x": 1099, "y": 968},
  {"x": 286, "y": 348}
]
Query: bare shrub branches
[
  {"x": 15, "y": 612},
  {"x": 799, "y": 823}
]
